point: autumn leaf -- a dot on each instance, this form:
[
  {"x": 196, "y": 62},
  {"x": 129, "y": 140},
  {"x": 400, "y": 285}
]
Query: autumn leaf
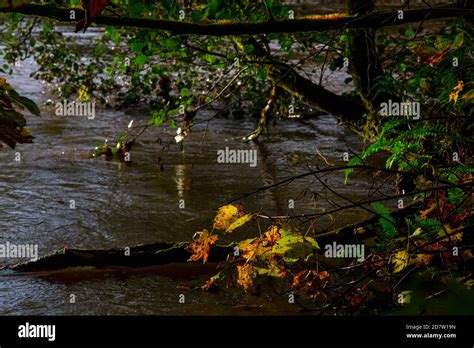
[
  {"x": 298, "y": 278},
  {"x": 452, "y": 236},
  {"x": 201, "y": 246},
  {"x": 435, "y": 205},
  {"x": 416, "y": 233},
  {"x": 429, "y": 211},
  {"x": 226, "y": 215},
  {"x": 431, "y": 56},
  {"x": 434, "y": 59},
  {"x": 245, "y": 275},
  {"x": 421, "y": 259},
  {"x": 92, "y": 8},
  {"x": 310, "y": 282},
  {"x": 273, "y": 271},
  {"x": 211, "y": 284},
  {"x": 355, "y": 297},
  {"x": 239, "y": 222},
  {"x": 248, "y": 248},
  {"x": 399, "y": 260},
  {"x": 252, "y": 247},
  {"x": 271, "y": 236},
  {"x": 3, "y": 84},
  {"x": 454, "y": 95},
  {"x": 374, "y": 261},
  {"x": 83, "y": 94}
]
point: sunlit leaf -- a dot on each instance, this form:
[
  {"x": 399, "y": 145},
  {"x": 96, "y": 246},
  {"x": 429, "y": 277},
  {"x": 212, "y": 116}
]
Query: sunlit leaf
[
  {"x": 399, "y": 260},
  {"x": 201, "y": 246},
  {"x": 406, "y": 296},
  {"x": 226, "y": 215},
  {"x": 293, "y": 246},
  {"x": 239, "y": 222},
  {"x": 454, "y": 95}
]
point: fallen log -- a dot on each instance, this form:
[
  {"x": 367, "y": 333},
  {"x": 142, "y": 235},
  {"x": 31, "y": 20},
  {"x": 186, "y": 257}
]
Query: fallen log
[
  {"x": 141, "y": 255},
  {"x": 168, "y": 253}
]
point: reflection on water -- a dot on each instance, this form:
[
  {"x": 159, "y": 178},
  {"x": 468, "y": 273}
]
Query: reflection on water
[{"x": 183, "y": 180}]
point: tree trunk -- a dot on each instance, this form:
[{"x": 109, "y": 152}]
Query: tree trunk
[{"x": 364, "y": 62}]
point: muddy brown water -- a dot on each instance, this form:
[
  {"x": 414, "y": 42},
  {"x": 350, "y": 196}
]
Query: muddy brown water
[{"x": 119, "y": 204}]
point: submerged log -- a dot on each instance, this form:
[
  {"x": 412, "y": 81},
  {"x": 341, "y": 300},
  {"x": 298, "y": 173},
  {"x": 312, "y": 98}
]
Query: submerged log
[{"x": 141, "y": 255}]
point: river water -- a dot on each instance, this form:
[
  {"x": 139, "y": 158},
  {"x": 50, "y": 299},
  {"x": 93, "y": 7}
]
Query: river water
[{"x": 119, "y": 204}]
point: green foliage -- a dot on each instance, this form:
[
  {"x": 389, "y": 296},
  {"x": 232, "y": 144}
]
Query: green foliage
[
  {"x": 387, "y": 222},
  {"x": 456, "y": 196},
  {"x": 292, "y": 246}
]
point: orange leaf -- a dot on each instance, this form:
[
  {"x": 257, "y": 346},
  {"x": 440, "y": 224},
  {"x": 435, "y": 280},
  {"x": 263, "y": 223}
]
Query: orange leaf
[
  {"x": 454, "y": 95},
  {"x": 201, "y": 246},
  {"x": 434, "y": 59},
  {"x": 271, "y": 235},
  {"x": 310, "y": 282},
  {"x": 245, "y": 275}
]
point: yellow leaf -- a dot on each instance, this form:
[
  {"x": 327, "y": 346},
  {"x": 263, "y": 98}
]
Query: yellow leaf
[
  {"x": 421, "y": 260},
  {"x": 84, "y": 94},
  {"x": 406, "y": 296},
  {"x": 424, "y": 214},
  {"x": 226, "y": 215},
  {"x": 252, "y": 247},
  {"x": 400, "y": 260},
  {"x": 452, "y": 237},
  {"x": 416, "y": 232},
  {"x": 239, "y": 222},
  {"x": 454, "y": 95},
  {"x": 4, "y": 84},
  {"x": 245, "y": 275}
]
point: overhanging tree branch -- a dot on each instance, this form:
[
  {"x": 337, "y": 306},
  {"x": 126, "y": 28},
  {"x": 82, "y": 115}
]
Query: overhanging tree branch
[{"x": 372, "y": 20}]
